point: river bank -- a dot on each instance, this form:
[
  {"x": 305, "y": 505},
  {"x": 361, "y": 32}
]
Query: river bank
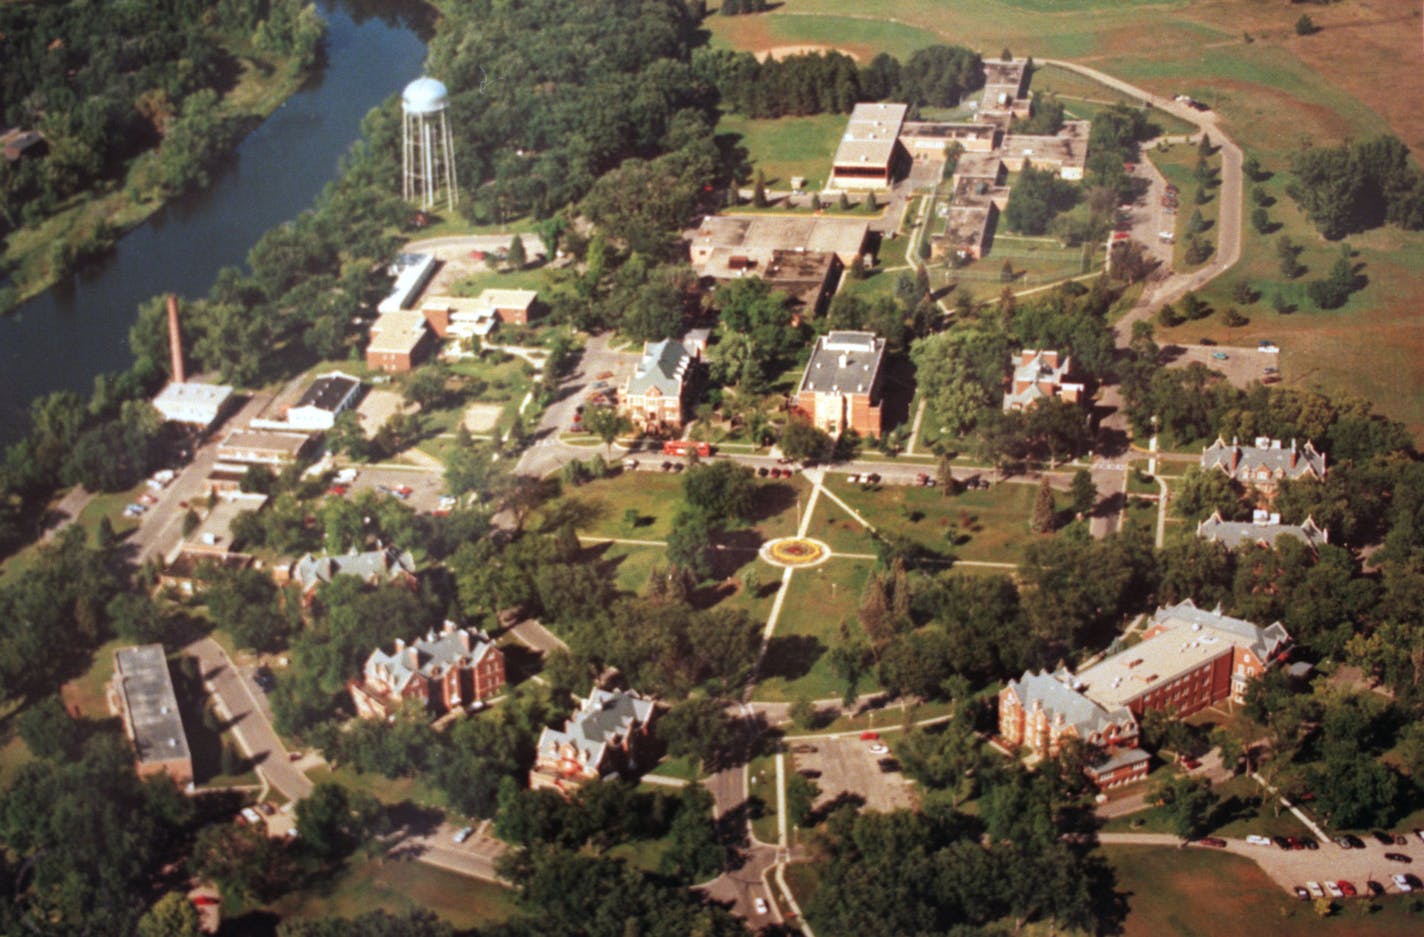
[{"x": 40, "y": 256}]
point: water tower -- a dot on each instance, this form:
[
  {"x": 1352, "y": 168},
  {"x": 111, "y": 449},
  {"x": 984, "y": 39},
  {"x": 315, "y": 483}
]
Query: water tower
[{"x": 427, "y": 155}]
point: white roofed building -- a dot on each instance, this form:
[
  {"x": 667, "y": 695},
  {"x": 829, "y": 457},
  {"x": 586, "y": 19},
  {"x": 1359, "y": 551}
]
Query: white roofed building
[
  {"x": 192, "y": 403},
  {"x": 603, "y": 736},
  {"x": 870, "y": 153}
]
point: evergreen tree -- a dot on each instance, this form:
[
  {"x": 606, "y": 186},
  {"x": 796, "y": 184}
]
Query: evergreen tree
[
  {"x": 843, "y": 203},
  {"x": 1043, "y": 509},
  {"x": 874, "y": 612},
  {"x": 1085, "y": 492}
]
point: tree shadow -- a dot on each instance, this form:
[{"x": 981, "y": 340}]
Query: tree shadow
[
  {"x": 770, "y": 499},
  {"x": 520, "y": 663},
  {"x": 791, "y": 656}
]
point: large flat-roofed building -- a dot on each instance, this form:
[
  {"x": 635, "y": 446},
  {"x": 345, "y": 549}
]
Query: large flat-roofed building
[
  {"x": 321, "y": 403},
  {"x": 1066, "y": 152},
  {"x": 934, "y": 139},
  {"x": 192, "y": 403},
  {"x": 1041, "y": 375},
  {"x": 442, "y": 671},
  {"x": 142, "y": 692},
  {"x": 654, "y": 398},
  {"x": 1004, "y": 84},
  {"x": 841, "y": 387},
  {"x": 412, "y": 273},
  {"x": 870, "y": 154},
  {"x": 399, "y": 341},
  {"x": 261, "y": 447},
  {"x": 463, "y": 316},
  {"x": 1264, "y": 529},
  {"x": 213, "y": 537},
  {"x": 1189, "y": 658},
  {"x": 1263, "y": 464},
  {"x": 729, "y": 246},
  {"x": 807, "y": 278}
]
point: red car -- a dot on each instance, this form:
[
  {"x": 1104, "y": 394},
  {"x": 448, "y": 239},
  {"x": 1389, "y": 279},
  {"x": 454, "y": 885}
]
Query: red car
[
  {"x": 205, "y": 900},
  {"x": 1347, "y": 889},
  {"x": 336, "y": 491},
  {"x": 869, "y": 736}
]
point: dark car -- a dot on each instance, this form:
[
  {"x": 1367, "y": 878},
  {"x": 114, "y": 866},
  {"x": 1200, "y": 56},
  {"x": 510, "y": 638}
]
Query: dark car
[
  {"x": 803, "y": 749},
  {"x": 1309, "y": 842},
  {"x": 1214, "y": 842},
  {"x": 1413, "y": 881},
  {"x": 1374, "y": 888},
  {"x": 811, "y": 773},
  {"x": 888, "y": 765},
  {"x": 265, "y": 679},
  {"x": 762, "y": 471},
  {"x": 1383, "y": 838},
  {"x": 1301, "y": 893},
  {"x": 1397, "y": 857},
  {"x": 1281, "y": 842},
  {"x": 1351, "y": 841}
]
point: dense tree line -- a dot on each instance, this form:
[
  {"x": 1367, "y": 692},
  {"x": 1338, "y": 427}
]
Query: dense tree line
[
  {"x": 107, "y": 82},
  {"x": 1357, "y": 186},
  {"x": 830, "y": 82}
]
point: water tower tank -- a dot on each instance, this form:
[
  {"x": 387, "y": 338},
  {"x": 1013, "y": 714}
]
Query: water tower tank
[{"x": 424, "y": 96}]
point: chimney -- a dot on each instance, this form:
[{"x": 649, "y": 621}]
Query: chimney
[{"x": 175, "y": 341}]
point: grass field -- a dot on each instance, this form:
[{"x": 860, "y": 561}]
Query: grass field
[
  {"x": 1203, "y": 893},
  {"x": 1177, "y": 163},
  {"x": 797, "y": 659},
  {"x": 397, "y": 887},
  {"x": 790, "y": 146},
  {"x": 1272, "y": 94}
]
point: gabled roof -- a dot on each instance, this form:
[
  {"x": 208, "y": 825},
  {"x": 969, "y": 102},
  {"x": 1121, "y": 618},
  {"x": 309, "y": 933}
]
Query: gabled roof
[
  {"x": 374, "y": 566},
  {"x": 603, "y": 719},
  {"x": 663, "y": 366},
  {"x": 1287, "y": 461},
  {"x": 1264, "y": 642},
  {"x": 430, "y": 656},
  {"x": 1234, "y": 534},
  {"x": 1056, "y": 696}
]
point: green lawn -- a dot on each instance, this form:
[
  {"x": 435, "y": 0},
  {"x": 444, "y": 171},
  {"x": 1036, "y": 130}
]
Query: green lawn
[
  {"x": 761, "y": 779},
  {"x": 1177, "y": 163},
  {"x": 1244, "y": 812},
  {"x": 797, "y": 660},
  {"x": 1205, "y": 893},
  {"x": 788, "y": 146},
  {"x": 399, "y": 886},
  {"x": 991, "y": 526}
]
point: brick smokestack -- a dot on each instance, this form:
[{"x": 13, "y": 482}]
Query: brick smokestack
[{"x": 175, "y": 341}]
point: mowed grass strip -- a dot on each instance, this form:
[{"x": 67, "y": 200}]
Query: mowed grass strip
[
  {"x": 399, "y": 886},
  {"x": 788, "y": 146},
  {"x": 1206, "y": 893},
  {"x": 798, "y": 660}
]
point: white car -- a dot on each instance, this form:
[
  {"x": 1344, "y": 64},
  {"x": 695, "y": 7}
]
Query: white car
[
  {"x": 878, "y": 749},
  {"x": 1256, "y": 840},
  {"x": 760, "y": 905},
  {"x": 464, "y": 834},
  {"x": 1334, "y": 890},
  {"x": 1401, "y": 882},
  {"x": 1315, "y": 890}
]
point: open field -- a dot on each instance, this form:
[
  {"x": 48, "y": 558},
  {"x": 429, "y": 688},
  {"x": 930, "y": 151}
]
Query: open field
[
  {"x": 798, "y": 660},
  {"x": 397, "y": 887},
  {"x": 790, "y": 146},
  {"x": 1177, "y": 163},
  {"x": 1196, "y": 892},
  {"x": 1271, "y": 93}
]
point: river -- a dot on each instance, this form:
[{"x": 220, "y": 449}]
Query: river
[{"x": 63, "y": 338}]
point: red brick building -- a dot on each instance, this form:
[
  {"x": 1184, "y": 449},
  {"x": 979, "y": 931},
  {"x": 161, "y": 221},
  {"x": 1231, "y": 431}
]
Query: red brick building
[
  {"x": 444, "y": 671},
  {"x": 841, "y": 387},
  {"x": 603, "y": 736},
  {"x": 1188, "y": 659}
]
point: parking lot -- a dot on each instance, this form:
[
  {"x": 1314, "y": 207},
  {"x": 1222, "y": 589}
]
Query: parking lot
[
  {"x": 846, "y": 765},
  {"x": 1240, "y": 364},
  {"x": 1291, "y": 868},
  {"x": 426, "y": 487}
]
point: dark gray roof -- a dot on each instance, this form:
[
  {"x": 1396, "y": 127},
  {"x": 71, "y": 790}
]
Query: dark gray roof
[
  {"x": 663, "y": 366},
  {"x": 1237, "y": 533},
  {"x": 1057, "y": 696},
  {"x": 1120, "y": 758},
  {"x": 328, "y": 392},
  {"x": 1281, "y": 460},
  {"x": 151, "y": 709},
  {"x": 844, "y": 363},
  {"x": 430, "y": 656}
]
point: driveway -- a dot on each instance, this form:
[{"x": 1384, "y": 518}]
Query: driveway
[
  {"x": 1240, "y": 364},
  {"x": 475, "y": 857},
  {"x": 427, "y": 485},
  {"x": 237, "y": 701}
]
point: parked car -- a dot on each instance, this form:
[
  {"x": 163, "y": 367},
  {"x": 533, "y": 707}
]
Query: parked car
[
  {"x": 265, "y": 679},
  {"x": 1315, "y": 890},
  {"x": 1383, "y": 838},
  {"x": 464, "y": 833},
  {"x": 1374, "y": 888},
  {"x": 1413, "y": 881},
  {"x": 803, "y": 749},
  {"x": 760, "y": 905},
  {"x": 1220, "y": 355},
  {"x": 879, "y": 748},
  {"x": 1214, "y": 842},
  {"x": 1191, "y": 764},
  {"x": 763, "y": 471},
  {"x": 1302, "y": 893},
  {"x": 1257, "y": 840},
  {"x": 1309, "y": 842},
  {"x": 1333, "y": 890},
  {"x": 1397, "y": 857},
  {"x": 811, "y": 773},
  {"x": 336, "y": 491},
  {"x": 1281, "y": 842},
  {"x": 1401, "y": 881},
  {"x": 869, "y": 736},
  {"x": 1351, "y": 841},
  {"x": 1347, "y": 888},
  {"x": 1419, "y": 832},
  {"x": 205, "y": 901},
  {"x": 888, "y": 765}
]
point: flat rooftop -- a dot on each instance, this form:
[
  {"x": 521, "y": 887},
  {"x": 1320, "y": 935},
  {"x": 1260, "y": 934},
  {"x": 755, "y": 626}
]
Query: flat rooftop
[
  {"x": 844, "y": 363},
  {"x": 758, "y": 236},
  {"x": 214, "y": 532},
  {"x": 397, "y": 332},
  {"x": 150, "y": 707},
  {"x": 966, "y": 225},
  {"x": 328, "y": 391},
  {"x": 1069, "y": 147},
  {"x": 193, "y": 393},
  {"x": 978, "y": 166},
  {"x": 247, "y": 440},
  {"x": 938, "y": 131},
  {"x": 870, "y": 134}
]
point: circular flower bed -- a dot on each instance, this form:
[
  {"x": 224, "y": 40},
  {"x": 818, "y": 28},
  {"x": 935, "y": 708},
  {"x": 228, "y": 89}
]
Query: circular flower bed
[{"x": 795, "y": 551}]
